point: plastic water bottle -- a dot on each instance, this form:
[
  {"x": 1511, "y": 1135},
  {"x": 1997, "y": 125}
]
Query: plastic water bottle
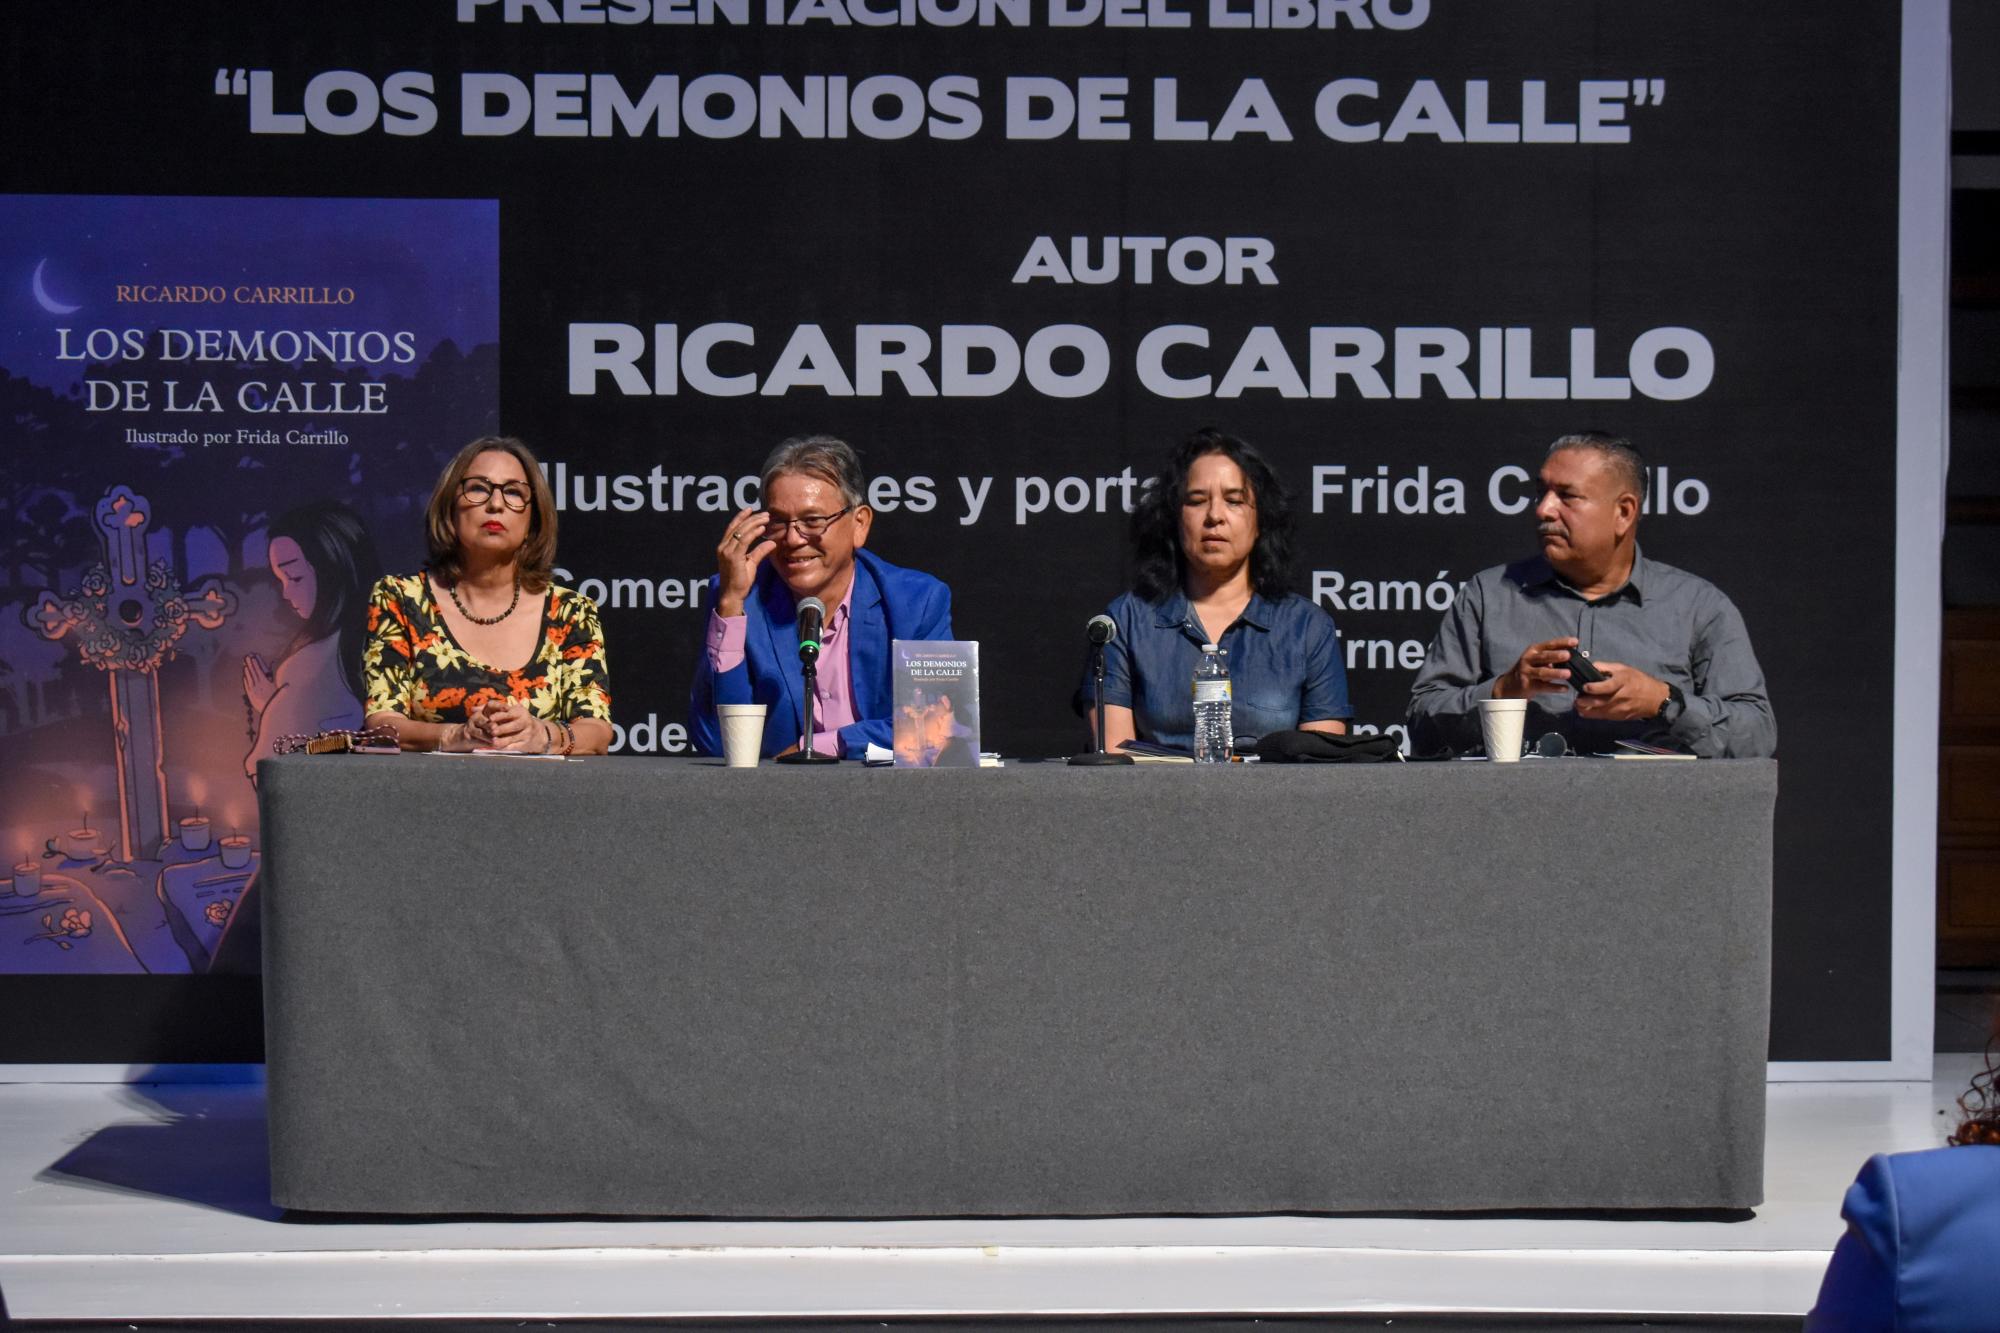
[{"x": 1211, "y": 706}]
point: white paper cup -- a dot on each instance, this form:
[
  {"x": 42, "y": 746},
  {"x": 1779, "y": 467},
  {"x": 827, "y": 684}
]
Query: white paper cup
[
  {"x": 742, "y": 733},
  {"x": 1500, "y": 724}
]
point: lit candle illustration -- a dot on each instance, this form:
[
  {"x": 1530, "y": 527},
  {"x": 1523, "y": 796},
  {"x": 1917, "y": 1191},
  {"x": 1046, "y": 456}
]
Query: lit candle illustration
[
  {"x": 27, "y": 876},
  {"x": 194, "y": 832},
  {"x": 80, "y": 842},
  {"x": 235, "y": 851}
]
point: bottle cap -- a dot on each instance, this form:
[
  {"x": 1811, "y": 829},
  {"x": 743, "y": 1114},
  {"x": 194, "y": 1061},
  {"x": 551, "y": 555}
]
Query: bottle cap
[{"x": 1210, "y": 648}]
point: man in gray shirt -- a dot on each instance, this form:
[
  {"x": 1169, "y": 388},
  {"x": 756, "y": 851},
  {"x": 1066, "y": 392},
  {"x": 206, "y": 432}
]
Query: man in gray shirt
[{"x": 1677, "y": 659}]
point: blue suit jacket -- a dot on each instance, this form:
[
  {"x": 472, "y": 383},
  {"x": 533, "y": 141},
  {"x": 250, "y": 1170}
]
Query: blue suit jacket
[
  {"x": 1922, "y": 1249},
  {"x": 889, "y": 603}
]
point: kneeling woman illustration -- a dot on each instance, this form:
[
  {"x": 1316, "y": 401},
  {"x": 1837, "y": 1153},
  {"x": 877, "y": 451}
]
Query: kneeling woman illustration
[{"x": 325, "y": 563}]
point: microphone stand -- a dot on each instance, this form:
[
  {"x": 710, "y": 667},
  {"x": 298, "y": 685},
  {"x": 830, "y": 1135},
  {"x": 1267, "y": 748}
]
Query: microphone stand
[
  {"x": 1098, "y": 757},
  {"x": 809, "y": 669}
]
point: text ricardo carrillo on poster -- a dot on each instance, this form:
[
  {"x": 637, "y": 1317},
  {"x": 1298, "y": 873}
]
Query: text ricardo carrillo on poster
[{"x": 727, "y": 359}]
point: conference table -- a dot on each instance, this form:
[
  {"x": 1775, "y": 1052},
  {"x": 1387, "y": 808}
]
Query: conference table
[{"x": 668, "y": 988}]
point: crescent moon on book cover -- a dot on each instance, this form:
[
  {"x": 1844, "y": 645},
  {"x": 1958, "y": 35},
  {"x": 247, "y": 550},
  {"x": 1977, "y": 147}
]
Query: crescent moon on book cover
[{"x": 47, "y": 302}]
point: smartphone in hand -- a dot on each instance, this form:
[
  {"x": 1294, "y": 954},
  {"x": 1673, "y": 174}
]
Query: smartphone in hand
[{"x": 1583, "y": 671}]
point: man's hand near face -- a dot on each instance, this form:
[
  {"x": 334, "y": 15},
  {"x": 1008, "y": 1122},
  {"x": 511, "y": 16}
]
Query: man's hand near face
[
  {"x": 1542, "y": 669},
  {"x": 743, "y": 547},
  {"x": 1626, "y": 694}
]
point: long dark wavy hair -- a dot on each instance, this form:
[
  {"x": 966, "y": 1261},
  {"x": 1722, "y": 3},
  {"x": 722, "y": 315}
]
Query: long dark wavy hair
[
  {"x": 1156, "y": 519},
  {"x": 335, "y": 542},
  {"x": 1981, "y": 1103}
]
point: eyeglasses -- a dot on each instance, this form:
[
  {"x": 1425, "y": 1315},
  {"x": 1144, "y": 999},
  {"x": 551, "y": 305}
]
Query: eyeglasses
[
  {"x": 478, "y": 490},
  {"x": 811, "y": 527}
]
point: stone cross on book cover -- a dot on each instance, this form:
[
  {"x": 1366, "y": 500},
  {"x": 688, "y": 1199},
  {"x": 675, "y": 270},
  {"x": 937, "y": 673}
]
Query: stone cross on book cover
[{"x": 937, "y": 703}]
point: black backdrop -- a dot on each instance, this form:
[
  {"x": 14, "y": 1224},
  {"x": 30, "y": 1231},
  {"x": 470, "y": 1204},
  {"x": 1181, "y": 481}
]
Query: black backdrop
[{"x": 1753, "y": 202}]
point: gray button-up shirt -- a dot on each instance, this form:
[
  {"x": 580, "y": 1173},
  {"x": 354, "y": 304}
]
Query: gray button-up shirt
[{"x": 1664, "y": 621}]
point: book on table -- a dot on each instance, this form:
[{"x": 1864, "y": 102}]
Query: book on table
[{"x": 936, "y": 702}]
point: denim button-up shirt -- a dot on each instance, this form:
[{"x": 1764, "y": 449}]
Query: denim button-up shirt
[{"x": 1285, "y": 667}]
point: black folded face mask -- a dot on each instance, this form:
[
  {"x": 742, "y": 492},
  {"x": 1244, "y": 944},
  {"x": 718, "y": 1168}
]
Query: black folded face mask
[{"x": 1319, "y": 747}]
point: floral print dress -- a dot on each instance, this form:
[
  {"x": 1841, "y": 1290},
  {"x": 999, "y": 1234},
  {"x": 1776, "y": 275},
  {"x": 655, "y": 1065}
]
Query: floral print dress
[{"x": 413, "y": 666}]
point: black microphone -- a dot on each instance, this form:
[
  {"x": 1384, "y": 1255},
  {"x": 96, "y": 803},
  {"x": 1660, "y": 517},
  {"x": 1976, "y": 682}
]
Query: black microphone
[
  {"x": 812, "y": 616},
  {"x": 1100, "y": 631}
]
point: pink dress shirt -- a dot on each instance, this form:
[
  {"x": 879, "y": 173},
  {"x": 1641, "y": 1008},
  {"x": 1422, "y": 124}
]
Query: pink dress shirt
[{"x": 833, "y": 695}]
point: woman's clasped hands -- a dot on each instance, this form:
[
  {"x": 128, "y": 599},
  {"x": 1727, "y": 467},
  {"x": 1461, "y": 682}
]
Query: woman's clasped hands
[{"x": 506, "y": 724}]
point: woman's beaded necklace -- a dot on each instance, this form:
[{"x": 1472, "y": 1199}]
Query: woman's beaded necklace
[{"x": 452, "y": 588}]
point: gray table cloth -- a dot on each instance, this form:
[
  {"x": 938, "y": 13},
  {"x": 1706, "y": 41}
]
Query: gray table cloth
[{"x": 663, "y": 987}]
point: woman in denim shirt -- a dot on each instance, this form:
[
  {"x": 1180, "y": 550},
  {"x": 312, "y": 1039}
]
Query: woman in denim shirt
[{"x": 1212, "y": 536}]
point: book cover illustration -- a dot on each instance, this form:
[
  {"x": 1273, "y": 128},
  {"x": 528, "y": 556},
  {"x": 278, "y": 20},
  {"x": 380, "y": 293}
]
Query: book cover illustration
[
  {"x": 223, "y": 417},
  {"x": 937, "y": 703}
]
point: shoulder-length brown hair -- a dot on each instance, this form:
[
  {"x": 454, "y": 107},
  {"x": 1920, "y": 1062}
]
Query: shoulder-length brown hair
[{"x": 538, "y": 553}]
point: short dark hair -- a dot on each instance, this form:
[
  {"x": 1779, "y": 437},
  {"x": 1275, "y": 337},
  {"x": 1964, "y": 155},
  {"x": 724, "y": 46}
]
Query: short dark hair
[
  {"x": 1156, "y": 519},
  {"x": 538, "y": 553},
  {"x": 1616, "y": 450}
]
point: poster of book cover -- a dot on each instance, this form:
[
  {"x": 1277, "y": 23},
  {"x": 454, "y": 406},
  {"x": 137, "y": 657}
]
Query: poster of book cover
[
  {"x": 937, "y": 703},
  {"x": 223, "y": 418}
]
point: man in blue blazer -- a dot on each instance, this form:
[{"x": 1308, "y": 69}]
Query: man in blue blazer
[{"x": 807, "y": 541}]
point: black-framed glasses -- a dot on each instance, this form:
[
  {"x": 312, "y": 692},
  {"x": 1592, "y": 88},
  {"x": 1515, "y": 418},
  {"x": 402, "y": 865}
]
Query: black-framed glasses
[
  {"x": 514, "y": 494},
  {"x": 811, "y": 526}
]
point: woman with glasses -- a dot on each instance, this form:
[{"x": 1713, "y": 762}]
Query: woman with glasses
[
  {"x": 481, "y": 651},
  {"x": 1212, "y": 544},
  {"x": 807, "y": 541}
]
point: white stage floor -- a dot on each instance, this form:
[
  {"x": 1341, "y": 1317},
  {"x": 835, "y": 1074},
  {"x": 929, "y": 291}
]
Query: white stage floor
[{"x": 149, "y": 1203}]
